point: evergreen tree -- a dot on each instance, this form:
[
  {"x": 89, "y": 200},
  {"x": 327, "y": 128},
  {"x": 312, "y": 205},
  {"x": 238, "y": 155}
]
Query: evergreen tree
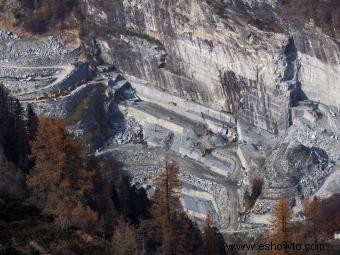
[
  {"x": 32, "y": 122},
  {"x": 13, "y": 136},
  {"x": 4, "y": 113},
  {"x": 21, "y": 144}
]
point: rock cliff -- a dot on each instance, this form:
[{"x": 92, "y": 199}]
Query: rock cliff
[
  {"x": 238, "y": 56},
  {"x": 233, "y": 90}
]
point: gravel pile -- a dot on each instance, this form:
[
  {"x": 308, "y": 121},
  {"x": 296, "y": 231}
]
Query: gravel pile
[
  {"x": 127, "y": 132},
  {"x": 4, "y": 35},
  {"x": 314, "y": 136}
]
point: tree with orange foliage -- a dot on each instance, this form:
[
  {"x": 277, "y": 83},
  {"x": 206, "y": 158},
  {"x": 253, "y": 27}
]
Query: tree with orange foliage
[
  {"x": 167, "y": 205},
  {"x": 279, "y": 231},
  {"x": 321, "y": 218},
  {"x": 210, "y": 244},
  {"x": 169, "y": 231},
  {"x": 167, "y": 194},
  {"x": 310, "y": 210},
  {"x": 62, "y": 179},
  {"x": 124, "y": 239},
  {"x": 213, "y": 241}
]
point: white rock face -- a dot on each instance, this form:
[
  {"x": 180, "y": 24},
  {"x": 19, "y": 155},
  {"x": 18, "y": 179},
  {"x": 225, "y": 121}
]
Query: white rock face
[
  {"x": 198, "y": 43},
  {"x": 211, "y": 63},
  {"x": 320, "y": 81}
]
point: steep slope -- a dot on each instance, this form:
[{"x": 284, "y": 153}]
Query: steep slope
[
  {"x": 194, "y": 77},
  {"x": 221, "y": 53}
]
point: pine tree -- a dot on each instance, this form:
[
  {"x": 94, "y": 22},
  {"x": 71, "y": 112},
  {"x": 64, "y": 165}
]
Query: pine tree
[
  {"x": 279, "y": 231},
  {"x": 61, "y": 180},
  {"x": 32, "y": 122},
  {"x": 20, "y": 139},
  {"x": 13, "y": 136},
  {"x": 7, "y": 134},
  {"x": 4, "y": 114}
]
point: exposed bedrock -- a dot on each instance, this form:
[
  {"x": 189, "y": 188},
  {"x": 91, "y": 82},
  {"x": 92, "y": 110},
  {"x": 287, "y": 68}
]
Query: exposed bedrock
[
  {"x": 211, "y": 52},
  {"x": 199, "y": 68}
]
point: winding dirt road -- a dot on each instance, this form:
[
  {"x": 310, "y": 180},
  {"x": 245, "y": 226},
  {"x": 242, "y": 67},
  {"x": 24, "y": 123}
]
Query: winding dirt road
[{"x": 65, "y": 71}]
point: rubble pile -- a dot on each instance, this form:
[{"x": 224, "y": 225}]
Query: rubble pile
[
  {"x": 294, "y": 171},
  {"x": 45, "y": 51},
  {"x": 320, "y": 169},
  {"x": 127, "y": 132},
  {"x": 317, "y": 135},
  {"x": 4, "y": 35},
  {"x": 156, "y": 135}
]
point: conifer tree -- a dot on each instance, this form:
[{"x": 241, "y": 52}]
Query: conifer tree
[
  {"x": 209, "y": 236},
  {"x": 32, "y": 122},
  {"x": 310, "y": 210},
  {"x": 279, "y": 232},
  {"x": 167, "y": 205},
  {"x": 4, "y": 113},
  {"x": 20, "y": 138},
  {"x": 61, "y": 179},
  {"x": 170, "y": 231},
  {"x": 6, "y": 123},
  {"x": 13, "y": 136},
  {"x": 213, "y": 242},
  {"x": 167, "y": 194},
  {"x": 124, "y": 239}
]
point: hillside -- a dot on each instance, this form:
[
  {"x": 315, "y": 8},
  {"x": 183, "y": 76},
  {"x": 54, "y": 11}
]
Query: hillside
[{"x": 241, "y": 95}]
